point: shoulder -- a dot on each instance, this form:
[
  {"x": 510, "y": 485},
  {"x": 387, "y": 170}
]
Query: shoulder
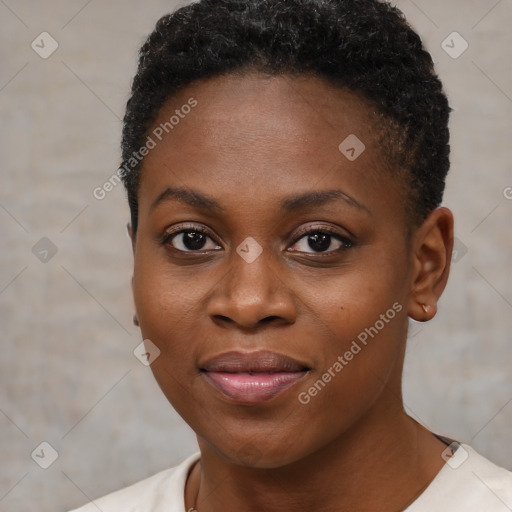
[
  {"x": 467, "y": 482},
  {"x": 163, "y": 491}
]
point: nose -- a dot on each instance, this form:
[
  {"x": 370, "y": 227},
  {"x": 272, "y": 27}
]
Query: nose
[{"x": 252, "y": 293}]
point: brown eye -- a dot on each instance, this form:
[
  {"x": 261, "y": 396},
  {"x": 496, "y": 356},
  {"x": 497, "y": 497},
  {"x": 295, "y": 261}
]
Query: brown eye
[
  {"x": 191, "y": 240},
  {"x": 318, "y": 241}
]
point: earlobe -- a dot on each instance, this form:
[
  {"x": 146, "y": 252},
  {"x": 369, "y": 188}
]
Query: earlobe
[
  {"x": 135, "y": 316},
  {"x": 431, "y": 249}
]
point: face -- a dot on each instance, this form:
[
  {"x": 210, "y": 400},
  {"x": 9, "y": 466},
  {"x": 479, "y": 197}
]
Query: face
[{"x": 271, "y": 265}]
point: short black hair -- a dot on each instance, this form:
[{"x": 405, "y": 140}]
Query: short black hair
[{"x": 365, "y": 46}]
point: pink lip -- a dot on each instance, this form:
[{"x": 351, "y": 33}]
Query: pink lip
[{"x": 252, "y": 377}]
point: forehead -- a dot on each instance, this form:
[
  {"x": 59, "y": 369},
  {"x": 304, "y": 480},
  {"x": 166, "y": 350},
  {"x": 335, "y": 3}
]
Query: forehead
[
  {"x": 265, "y": 138},
  {"x": 275, "y": 108}
]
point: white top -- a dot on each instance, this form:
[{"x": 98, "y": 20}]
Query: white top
[{"x": 468, "y": 482}]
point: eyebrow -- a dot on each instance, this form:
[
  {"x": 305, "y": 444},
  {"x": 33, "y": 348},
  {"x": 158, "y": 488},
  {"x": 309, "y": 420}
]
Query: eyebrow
[
  {"x": 289, "y": 204},
  {"x": 319, "y": 198},
  {"x": 190, "y": 197}
]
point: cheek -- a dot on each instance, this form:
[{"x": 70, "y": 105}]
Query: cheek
[
  {"x": 165, "y": 295},
  {"x": 168, "y": 311},
  {"x": 338, "y": 315},
  {"x": 168, "y": 316},
  {"x": 353, "y": 299},
  {"x": 363, "y": 323},
  {"x": 168, "y": 307},
  {"x": 360, "y": 363}
]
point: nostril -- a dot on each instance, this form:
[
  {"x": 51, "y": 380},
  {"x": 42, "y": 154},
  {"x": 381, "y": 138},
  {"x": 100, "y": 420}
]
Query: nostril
[
  {"x": 269, "y": 319},
  {"x": 223, "y": 318}
]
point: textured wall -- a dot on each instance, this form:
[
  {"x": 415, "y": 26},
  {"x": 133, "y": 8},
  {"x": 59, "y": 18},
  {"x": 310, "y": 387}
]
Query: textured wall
[{"x": 68, "y": 374}]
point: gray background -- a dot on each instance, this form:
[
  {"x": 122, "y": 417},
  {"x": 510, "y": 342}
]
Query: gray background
[{"x": 68, "y": 374}]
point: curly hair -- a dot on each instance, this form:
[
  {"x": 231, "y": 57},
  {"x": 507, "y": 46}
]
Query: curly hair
[{"x": 365, "y": 46}]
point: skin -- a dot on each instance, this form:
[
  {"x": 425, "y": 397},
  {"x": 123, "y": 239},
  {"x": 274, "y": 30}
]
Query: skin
[{"x": 250, "y": 142}]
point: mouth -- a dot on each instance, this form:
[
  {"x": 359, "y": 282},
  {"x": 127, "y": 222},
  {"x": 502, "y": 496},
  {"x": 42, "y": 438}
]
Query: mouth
[{"x": 253, "y": 377}]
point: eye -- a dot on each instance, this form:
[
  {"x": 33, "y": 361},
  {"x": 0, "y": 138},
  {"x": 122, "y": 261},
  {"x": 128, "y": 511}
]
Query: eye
[
  {"x": 322, "y": 241},
  {"x": 190, "y": 238}
]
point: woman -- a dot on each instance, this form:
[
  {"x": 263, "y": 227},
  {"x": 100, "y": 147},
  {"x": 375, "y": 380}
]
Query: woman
[{"x": 285, "y": 163}]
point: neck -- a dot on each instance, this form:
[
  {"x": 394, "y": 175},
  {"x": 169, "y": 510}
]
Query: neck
[{"x": 365, "y": 469}]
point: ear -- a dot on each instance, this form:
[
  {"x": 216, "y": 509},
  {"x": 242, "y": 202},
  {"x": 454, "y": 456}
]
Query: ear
[
  {"x": 432, "y": 252},
  {"x": 130, "y": 234}
]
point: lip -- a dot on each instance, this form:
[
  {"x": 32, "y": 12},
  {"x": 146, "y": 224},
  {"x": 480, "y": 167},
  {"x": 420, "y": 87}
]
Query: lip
[{"x": 252, "y": 377}]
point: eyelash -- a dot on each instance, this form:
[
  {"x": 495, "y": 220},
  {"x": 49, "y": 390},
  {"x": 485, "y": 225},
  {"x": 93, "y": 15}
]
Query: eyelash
[
  {"x": 184, "y": 229},
  {"x": 347, "y": 242}
]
